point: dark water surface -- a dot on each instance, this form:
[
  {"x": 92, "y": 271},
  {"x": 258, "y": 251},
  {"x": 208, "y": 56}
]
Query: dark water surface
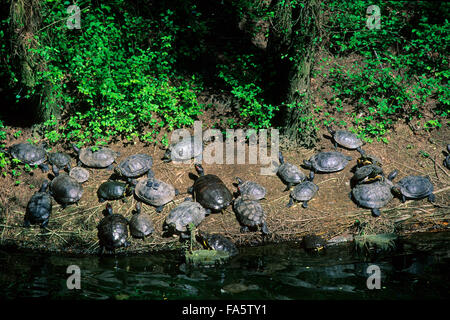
[{"x": 418, "y": 269}]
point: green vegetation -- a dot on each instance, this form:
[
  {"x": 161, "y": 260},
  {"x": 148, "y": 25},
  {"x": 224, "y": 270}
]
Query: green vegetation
[{"x": 135, "y": 71}]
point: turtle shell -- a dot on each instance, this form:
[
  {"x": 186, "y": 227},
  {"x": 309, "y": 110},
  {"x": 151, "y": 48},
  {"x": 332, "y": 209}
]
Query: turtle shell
[
  {"x": 184, "y": 150},
  {"x": 111, "y": 190},
  {"x": 80, "y": 174},
  {"x": 249, "y": 212},
  {"x": 66, "y": 189},
  {"x": 59, "y": 159},
  {"x": 219, "y": 243},
  {"x": 290, "y": 173},
  {"x": 304, "y": 191},
  {"x": 347, "y": 139},
  {"x": 211, "y": 192},
  {"x": 134, "y": 166},
  {"x": 28, "y": 153},
  {"x": 415, "y": 187},
  {"x": 251, "y": 190},
  {"x": 39, "y": 207},
  {"x": 328, "y": 161},
  {"x": 113, "y": 231},
  {"x": 373, "y": 195},
  {"x": 184, "y": 214},
  {"x": 154, "y": 192},
  {"x": 101, "y": 158},
  {"x": 141, "y": 225}
]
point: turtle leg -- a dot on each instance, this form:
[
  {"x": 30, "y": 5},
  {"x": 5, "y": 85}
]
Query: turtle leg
[
  {"x": 244, "y": 229},
  {"x": 376, "y": 212},
  {"x": 44, "y": 224},
  {"x": 64, "y": 205},
  {"x": 335, "y": 145},
  {"x": 177, "y": 192},
  {"x": 264, "y": 229},
  {"x": 79, "y": 163},
  {"x": 290, "y": 203},
  {"x": 305, "y": 204},
  {"x": 431, "y": 197},
  {"x": 44, "y": 167},
  {"x": 159, "y": 209},
  {"x": 26, "y": 223},
  {"x": 101, "y": 200},
  {"x": 190, "y": 190},
  {"x": 403, "y": 198},
  {"x": 288, "y": 187}
]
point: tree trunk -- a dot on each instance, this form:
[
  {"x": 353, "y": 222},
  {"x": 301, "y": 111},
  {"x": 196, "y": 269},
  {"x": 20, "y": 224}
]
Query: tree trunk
[{"x": 291, "y": 44}]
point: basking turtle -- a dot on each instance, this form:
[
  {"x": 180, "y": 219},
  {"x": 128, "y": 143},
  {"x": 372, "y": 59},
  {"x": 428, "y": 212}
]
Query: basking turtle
[
  {"x": 289, "y": 173},
  {"x": 29, "y": 154},
  {"x": 304, "y": 192},
  {"x": 327, "y": 161},
  {"x": 414, "y": 187},
  {"x": 182, "y": 216},
  {"x": 80, "y": 174},
  {"x": 312, "y": 242},
  {"x": 65, "y": 189},
  {"x": 112, "y": 230},
  {"x": 447, "y": 158},
  {"x": 154, "y": 192},
  {"x": 367, "y": 173},
  {"x": 134, "y": 166},
  {"x": 185, "y": 149},
  {"x": 366, "y": 159},
  {"x": 374, "y": 195},
  {"x": 141, "y": 225},
  {"x": 250, "y": 190},
  {"x": 345, "y": 139},
  {"x": 102, "y": 157},
  {"x": 59, "y": 159},
  {"x": 250, "y": 215},
  {"x": 39, "y": 207},
  {"x": 210, "y": 191},
  {"x": 217, "y": 242},
  {"x": 113, "y": 190}
]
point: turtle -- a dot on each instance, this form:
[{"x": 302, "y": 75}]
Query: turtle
[
  {"x": 367, "y": 173},
  {"x": 186, "y": 213},
  {"x": 327, "y": 162},
  {"x": 154, "y": 192},
  {"x": 345, "y": 139},
  {"x": 134, "y": 166},
  {"x": 59, "y": 159},
  {"x": 39, "y": 207},
  {"x": 102, "y": 157},
  {"x": 447, "y": 158},
  {"x": 210, "y": 191},
  {"x": 140, "y": 224},
  {"x": 113, "y": 190},
  {"x": 366, "y": 159},
  {"x": 250, "y": 190},
  {"x": 217, "y": 242},
  {"x": 304, "y": 192},
  {"x": 414, "y": 187},
  {"x": 289, "y": 173},
  {"x": 250, "y": 215},
  {"x": 312, "y": 242},
  {"x": 30, "y": 154},
  {"x": 80, "y": 174},
  {"x": 374, "y": 195},
  {"x": 112, "y": 230},
  {"x": 185, "y": 149},
  {"x": 65, "y": 189}
]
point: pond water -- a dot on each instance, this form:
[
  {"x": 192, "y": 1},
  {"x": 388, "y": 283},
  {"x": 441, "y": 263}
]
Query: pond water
[{"x": 417, "y": 269}]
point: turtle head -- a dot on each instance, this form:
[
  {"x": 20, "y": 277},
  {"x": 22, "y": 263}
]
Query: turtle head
[
  {"x": 55, "y": 170},
  {"x": 448, "y": 148},
  {"x": 280, "y": 157},
  {"x": 239, "y": 181},
  {"x": 167, "y": 156},
  {"x": 307, "y": 164},
  {"x": 138, "y": 208},
  {"x": 311, "y": 176},
  {"x": 330, "y": 130},
  {"x": 392, "y": 175},
  {"x": 75, "y": 148},
  {"x": 44, "y": 186},
  {"x": 203, "y": 238},
  {"x": 117, "y": 170},
  {"x": 199, "y": 169},
  {"x": 108, "y": 210}
]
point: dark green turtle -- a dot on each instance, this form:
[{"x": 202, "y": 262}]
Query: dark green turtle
[
  {"x": 345, "y": 139},
  {"x": 366, "y": 159},
  {"x": 80, "y": 174},
  {"x": 304, "y": 192},
  {"x": 180, "y": 217},
  {"x": 113, "y": 190},
  {"x": 250, "y": 215},
  {"x": 96, "y": 157},
  {"x": 112, "y": 230},
  {"x": 183, "y": 150},
  {"x": 134, "y": 166},
  {"x": 367, "y": 173},
  {"x": 210, "y": 191},
  {"x": 217, "y": 242},
  {"x": 289, "y": 173},
  {"x": 327, "y": 162},
  {"x": 414, "y": 187},
  {"x": 374, "y": 195},
  {"x": 60, "y": 159},
  {"x": 154, "y": 192},
  {"x": 250, "y": 190},
  {"x": 39, "y": 207},
  {"x": 140, "y": 224},
  {"x": 65, "y": 189},
  {"x": 29, "y": 154},
  {"x": 447, "y": 158},
  {"x": 313, "y": 243}
]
